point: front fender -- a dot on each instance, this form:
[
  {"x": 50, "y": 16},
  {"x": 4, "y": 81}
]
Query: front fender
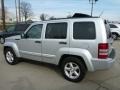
[{"x": 13, "y": 46}]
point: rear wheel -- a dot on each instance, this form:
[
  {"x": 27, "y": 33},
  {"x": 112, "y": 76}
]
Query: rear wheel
[
  {"x": 73, "y": 69},
  {"x": 10, "y": 56}
]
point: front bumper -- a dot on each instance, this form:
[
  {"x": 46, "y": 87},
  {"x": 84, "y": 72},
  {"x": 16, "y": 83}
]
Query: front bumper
[{"x": 100, "y": 64}]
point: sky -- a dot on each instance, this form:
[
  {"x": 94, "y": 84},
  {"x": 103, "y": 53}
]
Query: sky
[{"x": 110, "y": 9}]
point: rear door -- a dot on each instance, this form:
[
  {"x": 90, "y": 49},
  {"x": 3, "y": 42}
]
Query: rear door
[
  {"x": 84, "y": 36},
  {"x": 55, "y": 39}
]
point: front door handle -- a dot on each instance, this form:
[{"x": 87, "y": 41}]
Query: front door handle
[
  {"x": 62, "y": 42},
  {"x": 17, "y": 39},
  {"x": 37, "y": 41}
]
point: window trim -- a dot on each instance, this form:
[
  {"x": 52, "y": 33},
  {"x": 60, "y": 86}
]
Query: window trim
[
  {"x": 55, "y": 38},
  {"x": 29, "y": 30},
  {"x": 83, "y": 22}
]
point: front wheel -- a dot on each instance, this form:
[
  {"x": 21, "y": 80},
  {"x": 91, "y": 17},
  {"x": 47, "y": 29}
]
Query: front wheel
[
  {"x": 10, "y": 56},
  {"x": 73, "y": 69}
]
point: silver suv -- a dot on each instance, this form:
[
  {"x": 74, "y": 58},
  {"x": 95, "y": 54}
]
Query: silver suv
[{"x": 76, "y": 45}]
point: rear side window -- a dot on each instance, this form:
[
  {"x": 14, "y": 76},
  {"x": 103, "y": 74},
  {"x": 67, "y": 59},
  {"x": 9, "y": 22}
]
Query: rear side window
[
  {"x": 84, "y": 30},
  {"x": 113, "y": 26},
  {"x": 56, "y": 31}
]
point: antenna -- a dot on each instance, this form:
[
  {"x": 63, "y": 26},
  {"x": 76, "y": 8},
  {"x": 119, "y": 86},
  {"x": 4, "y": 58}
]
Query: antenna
[{"x": 101, "y": 13}]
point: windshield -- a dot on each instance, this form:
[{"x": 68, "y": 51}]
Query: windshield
[
  {"x": 21, "y": 27},
  {"x": 10, "y": 29}
]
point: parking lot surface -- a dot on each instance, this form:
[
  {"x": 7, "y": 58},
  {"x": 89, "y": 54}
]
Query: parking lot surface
[{"x": 29, "y": 75}]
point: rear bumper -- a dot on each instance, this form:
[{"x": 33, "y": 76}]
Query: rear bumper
[{"x": 100, "y": 64}]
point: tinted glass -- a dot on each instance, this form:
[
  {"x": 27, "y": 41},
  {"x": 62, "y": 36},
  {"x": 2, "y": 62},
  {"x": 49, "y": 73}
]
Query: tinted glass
[
  {"x": 35, "y": 31},
  {"x": 10, "y": 29},
  {"x": 21, "y": 27},
  {"x": 56, "y": 31},
  {"x": 84, "y": 30},
  {"x": 113, "y": 26}
]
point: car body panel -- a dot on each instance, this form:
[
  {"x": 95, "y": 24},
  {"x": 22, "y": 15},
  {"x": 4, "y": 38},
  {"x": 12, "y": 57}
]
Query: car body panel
[{"x": 116, "y": 30}]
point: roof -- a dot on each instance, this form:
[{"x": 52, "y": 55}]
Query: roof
[{"x": 76, "y": 16}]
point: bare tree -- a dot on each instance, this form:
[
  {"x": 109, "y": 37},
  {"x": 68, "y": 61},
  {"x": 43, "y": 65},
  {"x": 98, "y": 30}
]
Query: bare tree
[
  {"x": 43, "y": 17},
  {"x": 26, "y": 10}
]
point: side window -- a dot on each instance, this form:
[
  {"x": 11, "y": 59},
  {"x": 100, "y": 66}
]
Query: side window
[
  {"x": 84, "y": 30},
  {"x": 56, "y": 31},
  {"x": 34, "y": 32},
  {"x": 113, "y": 26}
]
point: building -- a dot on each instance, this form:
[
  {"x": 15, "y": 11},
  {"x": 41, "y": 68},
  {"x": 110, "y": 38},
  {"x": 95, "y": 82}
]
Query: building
[{"x": 9, "y": 16}]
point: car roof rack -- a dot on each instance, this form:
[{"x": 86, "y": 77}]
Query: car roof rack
[
  {"x": 81, "y": 15},
  {"x": 75, "y": 16}
]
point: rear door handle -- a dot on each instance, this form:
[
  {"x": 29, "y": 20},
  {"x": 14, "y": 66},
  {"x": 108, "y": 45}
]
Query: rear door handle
[
  {"x": 62, "y": 42},
  {"x": 37, "y": 41}
]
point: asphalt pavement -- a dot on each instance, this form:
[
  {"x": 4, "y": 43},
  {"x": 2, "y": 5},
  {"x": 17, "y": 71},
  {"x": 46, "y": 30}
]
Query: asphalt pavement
[{"x": 28, "y": 75}]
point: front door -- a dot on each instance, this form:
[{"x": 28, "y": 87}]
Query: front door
[{"x": 30, "y": 46}]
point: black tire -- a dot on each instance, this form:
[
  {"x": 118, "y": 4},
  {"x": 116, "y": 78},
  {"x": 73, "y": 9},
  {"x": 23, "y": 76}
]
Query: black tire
[
  {"x": 15, "y": 59},
  {"x": 75, "y": 61},
  {"x": 115, "y": 36},
  {"x": 2, "y": 40}
]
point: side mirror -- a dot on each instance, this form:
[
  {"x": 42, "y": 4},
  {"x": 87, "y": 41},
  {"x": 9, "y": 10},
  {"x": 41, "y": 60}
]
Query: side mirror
[{"x": 22, "y": 35}]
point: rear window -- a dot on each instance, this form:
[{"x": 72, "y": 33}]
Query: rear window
[{"x": 84, "y": 30}]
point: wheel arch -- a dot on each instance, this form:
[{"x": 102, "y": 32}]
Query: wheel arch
[
  {"x": 12, "y": 46},
  {"x": 68, "y": 55}
]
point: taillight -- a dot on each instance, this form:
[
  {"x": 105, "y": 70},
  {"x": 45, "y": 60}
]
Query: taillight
[{"x": 103, "y": 50}]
